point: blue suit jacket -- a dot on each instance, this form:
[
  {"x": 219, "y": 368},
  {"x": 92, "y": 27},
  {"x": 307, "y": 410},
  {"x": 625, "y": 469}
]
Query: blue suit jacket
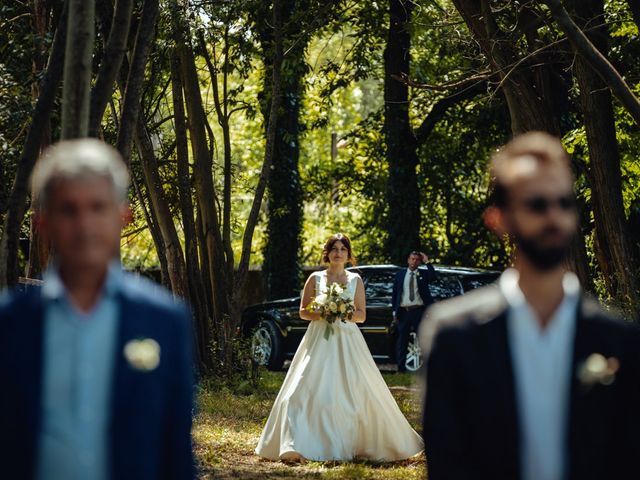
[
  {"x": 425, "y": 276},
  {"x": 150, "y": 432}
]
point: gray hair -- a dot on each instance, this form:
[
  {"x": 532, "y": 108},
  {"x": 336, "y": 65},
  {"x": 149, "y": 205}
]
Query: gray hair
[{"x": 74, "y": 160}]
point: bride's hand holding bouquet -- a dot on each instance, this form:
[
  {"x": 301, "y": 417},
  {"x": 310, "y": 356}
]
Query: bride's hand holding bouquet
[{"x": 333, "y": 305}]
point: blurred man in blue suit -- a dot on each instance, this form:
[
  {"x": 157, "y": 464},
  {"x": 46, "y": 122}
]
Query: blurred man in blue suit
[{"x": 96, "y": 366}]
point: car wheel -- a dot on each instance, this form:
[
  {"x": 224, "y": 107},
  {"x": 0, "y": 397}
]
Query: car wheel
[
  {"x": 266, "y": 345},
  {"x": 414, "y": 354}
]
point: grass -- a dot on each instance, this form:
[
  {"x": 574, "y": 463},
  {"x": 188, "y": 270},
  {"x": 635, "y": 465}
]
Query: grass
[{"x": 228, "y": 425}]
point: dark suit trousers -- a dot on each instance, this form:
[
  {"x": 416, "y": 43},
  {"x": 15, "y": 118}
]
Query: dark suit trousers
[{"x": 408, "y": 321}]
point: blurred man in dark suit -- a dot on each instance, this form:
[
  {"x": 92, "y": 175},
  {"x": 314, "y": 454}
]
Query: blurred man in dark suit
[
  {"x": 530, "y": 379},
  {"x": 95, "y": 367}
]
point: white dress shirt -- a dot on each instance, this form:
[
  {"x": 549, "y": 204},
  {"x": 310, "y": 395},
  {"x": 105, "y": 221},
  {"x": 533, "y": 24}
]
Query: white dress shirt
[
  {"x": 417, "y": 299},
  {"x": 542, "y": 366}
]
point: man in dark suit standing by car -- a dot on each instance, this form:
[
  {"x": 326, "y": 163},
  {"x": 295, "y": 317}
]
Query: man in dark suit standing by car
[
  {"x": 96, "y": 367},
  {"x": 410, "y": 297},
  {"x": 530, "y": 379}
]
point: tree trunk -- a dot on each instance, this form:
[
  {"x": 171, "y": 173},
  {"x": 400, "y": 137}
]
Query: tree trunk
[
  {"x": 527, "y": 100},
  {"x": 135, "y": 78},
  {"x": 578, "y": 257},
  {"x": 143, "y": 199},
  {"x": 617, "y": 259},
  {"x": 403, "y": 196},
  {"x": 158, "y": 203},
  {"x": 16, "y": 204},
  {"x": 281, "y": 266},
  {"x": 583, "y": 46},
  {"x": 205, "y": 270},
  {"x": 220, "y": 278},
  {"x": 222, "y": 111},
  {"x": 38, "y": 246},
  {"x": 269, "y": 150},
  {"x": 196, "y": 286},
  {"x": 531, "y": 98},
  {"x": 76, "y": 89},
  {"x": 152, "y": 224},
  {"x": 115, "y": 48},
  {"x": 225, "y": 287},
  {"x": 158, "y": 215}
]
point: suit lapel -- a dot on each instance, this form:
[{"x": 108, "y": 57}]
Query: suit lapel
[
  {"x": 400, "y": 280},
  {"x": 400, "y": 285},
  {"x": 423, "y": 287},
  {"x": 124, "y": 377},
  {"x": 30, "y": 345},
  {"x": 582, "y": 349},
  {"x": 501, "y": 370}
]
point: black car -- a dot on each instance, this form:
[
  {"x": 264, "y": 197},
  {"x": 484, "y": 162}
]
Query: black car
[{"x": 276, "y": 329}]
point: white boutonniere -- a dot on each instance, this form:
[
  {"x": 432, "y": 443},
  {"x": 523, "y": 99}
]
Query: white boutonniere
[
  {"x": 142, "y": 354},
  {"x": 598, "y": 370}
]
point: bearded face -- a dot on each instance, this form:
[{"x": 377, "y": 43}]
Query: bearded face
[
  {"x": 545, "y": 250},
  {"x": 540, "y": 215}
]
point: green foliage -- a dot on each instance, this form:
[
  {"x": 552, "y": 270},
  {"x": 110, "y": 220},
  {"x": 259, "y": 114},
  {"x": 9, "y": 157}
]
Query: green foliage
[
  {"x": 452, "y": 167},
  {"x": 455, "y": 182},
  {"x": 336, "y": 85},
  {"x": 624, "y": 51},
  {"x": 345, "y": 193},
  {"x": 18, "y": 48},
  {"x": 12, "y": 115},
  {"x": 333, "y": 81}
]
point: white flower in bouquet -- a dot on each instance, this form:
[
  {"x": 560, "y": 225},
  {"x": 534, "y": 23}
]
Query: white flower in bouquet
[
  {"x": 332, "y": 305},
  {"x": 321, "y": 299}
]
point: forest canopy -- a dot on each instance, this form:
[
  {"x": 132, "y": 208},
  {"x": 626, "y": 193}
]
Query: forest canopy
[{"x": 254, "y": 129}]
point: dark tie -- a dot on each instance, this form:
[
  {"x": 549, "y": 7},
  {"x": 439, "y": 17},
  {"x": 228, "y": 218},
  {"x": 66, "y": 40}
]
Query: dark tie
[{"x": 412, "y": 287}]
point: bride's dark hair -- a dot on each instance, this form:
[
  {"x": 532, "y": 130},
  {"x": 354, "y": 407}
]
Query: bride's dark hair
[{"x": 337, "y": 237}]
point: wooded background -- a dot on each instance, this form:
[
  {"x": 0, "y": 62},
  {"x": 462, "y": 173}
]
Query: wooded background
[{"x": 253, "y": 129}]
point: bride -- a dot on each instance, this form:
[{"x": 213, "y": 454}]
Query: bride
[{"x": 334, "y": 403}]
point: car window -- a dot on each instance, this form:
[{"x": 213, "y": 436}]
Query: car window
[
  {"x": 446, "y": 285},
  {"x": 380, "y": 285},
  {"x": 469, "y": 282}
]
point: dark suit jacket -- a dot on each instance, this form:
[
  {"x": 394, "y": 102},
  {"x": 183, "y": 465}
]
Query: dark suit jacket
[
  {"x": 425, "y": 276},
  {"x": 150, "y": 433},
  {"x": 470, "y": 415}
]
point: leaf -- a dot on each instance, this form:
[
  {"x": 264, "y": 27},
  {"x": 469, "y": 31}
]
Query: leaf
[{"x": 328, "y": 332}]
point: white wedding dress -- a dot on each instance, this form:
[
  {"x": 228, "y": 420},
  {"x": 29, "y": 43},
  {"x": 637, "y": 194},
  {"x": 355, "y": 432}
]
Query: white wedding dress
[{"x": 334, "y": 403}]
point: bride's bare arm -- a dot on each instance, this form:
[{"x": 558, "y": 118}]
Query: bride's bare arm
[
  {"x": 360, "y": 303},
  {"x": 307, "y": 294}
]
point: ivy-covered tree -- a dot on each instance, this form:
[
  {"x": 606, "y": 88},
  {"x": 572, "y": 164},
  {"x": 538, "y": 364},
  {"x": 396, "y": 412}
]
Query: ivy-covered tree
[{"x": 301, "y": 19}]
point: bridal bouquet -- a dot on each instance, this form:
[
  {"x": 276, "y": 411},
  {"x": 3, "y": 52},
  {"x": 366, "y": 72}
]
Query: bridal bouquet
[{"x": 334, "y": 304}]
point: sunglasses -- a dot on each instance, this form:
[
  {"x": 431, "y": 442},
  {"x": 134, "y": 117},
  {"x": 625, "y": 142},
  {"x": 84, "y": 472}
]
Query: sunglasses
[{"x": 541, "y": 205}]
